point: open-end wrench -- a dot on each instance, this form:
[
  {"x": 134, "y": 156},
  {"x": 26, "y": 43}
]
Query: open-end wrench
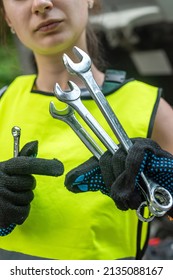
[
  {"x": 68, "y": 115},
  {"x": 16, "y": 136},
  {"x": 158, "y": 199},
  {"x": 72, "y": 98},
  {"x": 83, "y": 70}
]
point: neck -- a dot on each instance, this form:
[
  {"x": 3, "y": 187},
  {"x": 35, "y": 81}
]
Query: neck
[{"x": 51, "y": 70}]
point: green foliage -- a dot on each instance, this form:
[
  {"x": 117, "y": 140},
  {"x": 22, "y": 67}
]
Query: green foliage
[{"x": 9, "y": 62}]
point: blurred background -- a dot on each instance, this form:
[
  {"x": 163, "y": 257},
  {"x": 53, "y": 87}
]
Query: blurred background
[{"x": 137, "y": 37}]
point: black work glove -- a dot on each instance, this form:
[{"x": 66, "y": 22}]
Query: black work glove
[
  {"x": 119, "y": 175},
  {"x": 17, "y": 184}
]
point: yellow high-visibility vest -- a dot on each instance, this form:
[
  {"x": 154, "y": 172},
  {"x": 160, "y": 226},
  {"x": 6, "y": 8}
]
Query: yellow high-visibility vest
[{"x": 64, "y": 225}]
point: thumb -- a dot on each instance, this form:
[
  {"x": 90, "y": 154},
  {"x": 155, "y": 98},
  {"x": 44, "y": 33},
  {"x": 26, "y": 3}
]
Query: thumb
[{"x": 29, "y": 149}]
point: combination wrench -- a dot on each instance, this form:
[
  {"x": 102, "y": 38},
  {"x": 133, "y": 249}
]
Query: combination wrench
[
  {"x": 83, "y": 70},
  {"x": 72, "y": 98},
  {"x": 16, "y": 131},
  {"x": 68, "y": 116}
]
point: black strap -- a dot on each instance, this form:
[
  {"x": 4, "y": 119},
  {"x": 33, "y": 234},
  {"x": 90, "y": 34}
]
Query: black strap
[
  {"x": 117, "y": 76},
  {"x": 140, "y": 252},
  {"x": 113, "y": 80}
]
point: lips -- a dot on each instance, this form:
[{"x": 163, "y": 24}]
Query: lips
[{"x": 48, "y": 25}]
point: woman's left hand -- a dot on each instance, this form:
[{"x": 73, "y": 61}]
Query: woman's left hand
[{"x": 118, "y": 175}]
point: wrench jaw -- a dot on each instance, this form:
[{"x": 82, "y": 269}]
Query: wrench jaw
[
  {"x": 71, "y": 95},
  {"x": 15, "y": 131},
  {"x": 59, "y": 114},
  {"x": 75, "y": 68},
  {"x": 58, "y": 92},
  {"x": 52, "y": 110}
]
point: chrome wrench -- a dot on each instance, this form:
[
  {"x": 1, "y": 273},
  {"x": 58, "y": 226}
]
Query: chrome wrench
[
  {"x": 83, "y": 70},
  {"x": 16, "y": 131},
  {"x": 68, "y": 115},
  {"x": 72, "y": 98},
  {"x": 158, "y": 199}
]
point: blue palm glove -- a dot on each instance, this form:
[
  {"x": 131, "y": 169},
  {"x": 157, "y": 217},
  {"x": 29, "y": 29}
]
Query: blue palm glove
[
  {"x": 119, "y": 174},
  {"x": 86, "y": 177},
  {"x": 17, "y": 184}
]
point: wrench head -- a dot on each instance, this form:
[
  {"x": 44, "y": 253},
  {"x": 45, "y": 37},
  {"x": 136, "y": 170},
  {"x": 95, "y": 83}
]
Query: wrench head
[
  {"x": 73, "y": 94},
  {"x": 15, "y": 131},
  {"x": 76, "y": 68},
  {"x": 60, "y": 114}
]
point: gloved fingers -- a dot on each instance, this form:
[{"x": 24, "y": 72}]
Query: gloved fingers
[
  {"x": 124, "y": 203},
  {"x": 16, "y": 214},
  {"x": 105, "y": 163},
  {"x": 17, "y": 183},
  {"x": 136, "y": 160},
  {"x": 147, "y": 156},
  {"x": 86, "y": 177},
  {"x": 142, "y": 146},
  {"x": 120, "y": 192},
  {"x": 29, "y": 149},
  {"x": 145, "y": 144},
  {"x": 157, "y": 164},
  {"x": 29, "y": 165},
  {"x": 135, "y": 199},
  {"x": 118, "y": 161},
  {"x": 22, "y": 198},
  {"x": 86, "y": 166},
  {"x": 113, "y": 165},
  {"x": 76, "y": 175},
  {"x": 123, "y": 194}
]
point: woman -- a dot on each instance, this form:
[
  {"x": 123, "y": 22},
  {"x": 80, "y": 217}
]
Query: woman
[{"x": 61, "y": 224}]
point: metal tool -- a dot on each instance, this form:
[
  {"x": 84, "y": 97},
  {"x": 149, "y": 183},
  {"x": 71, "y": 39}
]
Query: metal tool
[
  {"x": 83, "y": 70},
  {"x": 16, "y": 131},
  {"x": 72, "y": 98},
  {"x": 68, "y": 115},
  {"x": 155, "y": 196},
  {"x": 158, "y": 199}
]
